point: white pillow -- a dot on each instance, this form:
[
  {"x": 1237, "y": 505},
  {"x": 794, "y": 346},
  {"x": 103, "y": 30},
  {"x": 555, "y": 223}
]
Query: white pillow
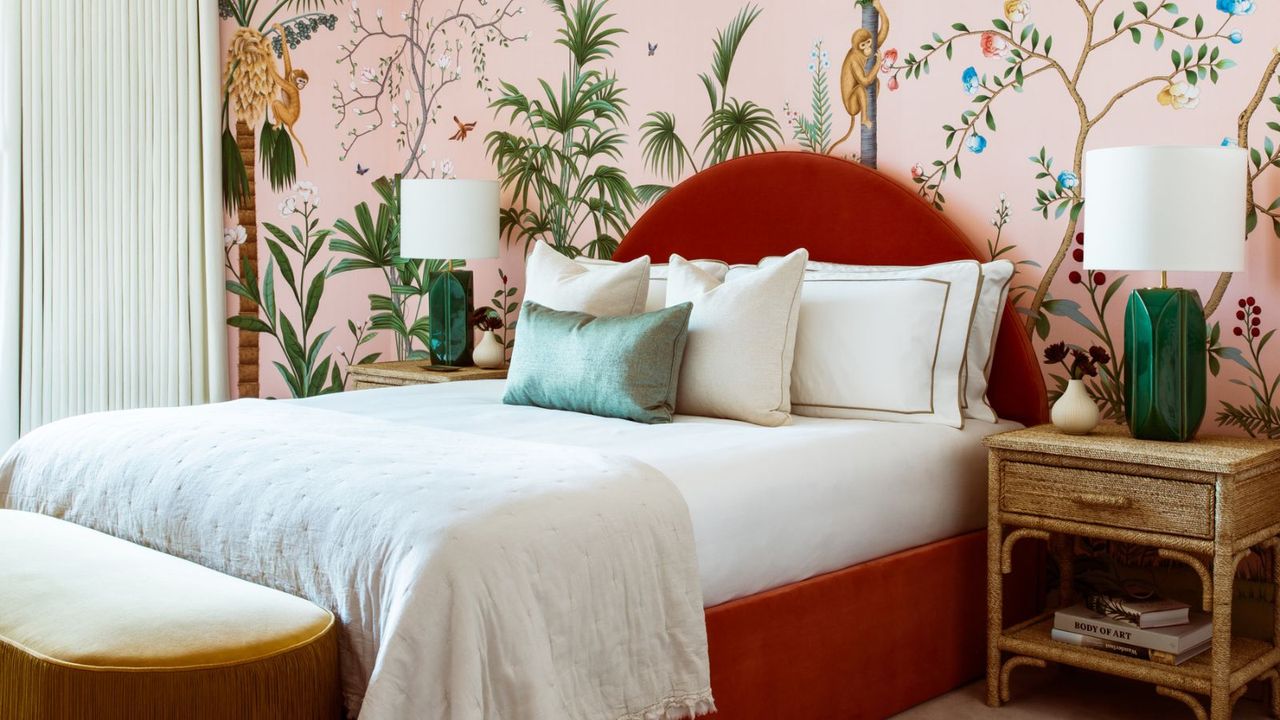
[
  {"x": 742, "y": 336},
  {"x": 996, "y": 277},
  {"x": 657, "y": 297},
  {"x": 554, "y": 281},
  {"x": 884, "y": 343},
  {"x": 992, "y": 293}
]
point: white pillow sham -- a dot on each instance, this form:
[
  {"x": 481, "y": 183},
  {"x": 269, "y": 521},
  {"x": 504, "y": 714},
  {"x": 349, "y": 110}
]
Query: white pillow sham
[
  {"x": 742, "y": 338},
  {"x": 884, "y": 343},
  {"x": 992, "y": 293},
  {"x": 557, "y": 282},
  {"x": 657, "y": 295}
]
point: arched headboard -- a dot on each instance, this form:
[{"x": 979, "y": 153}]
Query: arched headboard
[{"x": 772, "y": 203}]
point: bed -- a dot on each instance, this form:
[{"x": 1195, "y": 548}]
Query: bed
[{"x": 839, "y": 564}]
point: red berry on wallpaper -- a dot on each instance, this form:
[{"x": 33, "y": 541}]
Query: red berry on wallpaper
[
  {"x": 1257, "y": 309},
  {"x": 1242, "y": 302},
  {"x": 1239, "y": 314},
  {"x": 1099, "y": 278},
  {"x": 1249, "y": 299},
  {"x": 1237, "y": 331},
  {"x": 1255, "y": 332},
  {"x": 1078, "y": 254},
  {"x": 1257, "y": 321},
  {"x": 1074, "y": 277},
  {"x": 1080, "y": 238}
]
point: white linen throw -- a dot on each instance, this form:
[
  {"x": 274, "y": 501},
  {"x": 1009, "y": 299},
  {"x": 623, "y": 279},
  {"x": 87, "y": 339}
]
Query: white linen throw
[{"x": 475, "y": 578}]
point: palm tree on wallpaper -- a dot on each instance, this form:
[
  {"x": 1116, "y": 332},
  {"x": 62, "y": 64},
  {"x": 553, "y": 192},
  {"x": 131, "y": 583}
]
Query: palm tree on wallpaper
[
  {"x": 732, "y": 128},
  {"x": 556, "y": 163},
  {"x": 251, "y": 85}
]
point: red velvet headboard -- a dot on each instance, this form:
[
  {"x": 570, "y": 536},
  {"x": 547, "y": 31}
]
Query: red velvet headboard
[{"x": 772, "y": 203}]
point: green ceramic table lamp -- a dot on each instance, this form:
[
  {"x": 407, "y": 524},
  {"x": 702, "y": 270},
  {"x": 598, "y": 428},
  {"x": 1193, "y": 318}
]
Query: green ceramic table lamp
[
  {"x": 1169, "y": 208},
  {"x": 449, "y": 220}
]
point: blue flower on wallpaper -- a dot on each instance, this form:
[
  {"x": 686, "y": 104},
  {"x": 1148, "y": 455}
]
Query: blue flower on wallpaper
[
  {"x": 1230, "y": 142},
  {"x": 976, "y": 144},
  {"x": 1236, "y": 7},
  {"x": 970, "y": 80},
  {"x": 1236, "y": 37},
  {"x": 1068, "y": 180}
]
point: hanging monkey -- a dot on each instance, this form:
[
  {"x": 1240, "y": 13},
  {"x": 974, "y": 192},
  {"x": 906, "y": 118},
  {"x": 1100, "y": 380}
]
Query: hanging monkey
[
  {"x": 289, "y": 106},
  {"x": 855, "y": 78}
]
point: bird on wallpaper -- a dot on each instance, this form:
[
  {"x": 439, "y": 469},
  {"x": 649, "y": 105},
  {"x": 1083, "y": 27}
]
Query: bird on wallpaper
[
  {"x": 653, "y": 48},
  {"x": 463, "y": 129}
]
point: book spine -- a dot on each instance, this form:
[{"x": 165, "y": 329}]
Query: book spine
[
  {"x": 1128, "y": 635},
  {"x": 1099, "y": 644}
]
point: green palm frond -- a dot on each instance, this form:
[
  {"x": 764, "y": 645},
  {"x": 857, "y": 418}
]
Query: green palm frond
[
  {"x": 608, "y": 182},
  {"x": 651, "y": 193},
  {"x": 370, "y": 244},
  {"x": 739, "y": 128},
  {"x": 235, "y": 178},
  {"x": 727, "y": 42},
  {"x": 275, "y": 152},
  {"x": 661, "y": 147},
  {"x": 585, "y": 33}
]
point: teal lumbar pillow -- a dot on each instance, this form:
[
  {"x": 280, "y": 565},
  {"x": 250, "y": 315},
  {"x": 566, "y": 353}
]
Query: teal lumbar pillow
[{"x": 622, "y": 367}]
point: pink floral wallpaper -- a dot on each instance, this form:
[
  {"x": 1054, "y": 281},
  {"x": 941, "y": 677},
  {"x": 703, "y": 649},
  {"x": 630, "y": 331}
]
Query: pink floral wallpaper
[{"x": 589, "y": 110}]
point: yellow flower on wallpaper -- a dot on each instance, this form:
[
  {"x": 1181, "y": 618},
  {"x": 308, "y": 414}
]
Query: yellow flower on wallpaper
[
  {"x": 1016, "y": 10},
  {"x": 1179, "y": 95}
]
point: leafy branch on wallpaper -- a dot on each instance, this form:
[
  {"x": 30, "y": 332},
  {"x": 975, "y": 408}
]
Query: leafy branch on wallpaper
[
  {"x": 398, "y": 74},
  {"x": 556, "y": 163},
  {"x": 732, "y": 127},
  {"x": 293, "y": 253},
  {"x": 1026, "y": 53}
]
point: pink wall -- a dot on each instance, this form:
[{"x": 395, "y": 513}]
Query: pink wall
[{"x": 771, "y": 68}]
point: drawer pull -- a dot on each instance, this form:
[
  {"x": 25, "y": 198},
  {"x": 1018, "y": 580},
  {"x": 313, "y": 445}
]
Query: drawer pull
[{"x": 1106, "y": 501}]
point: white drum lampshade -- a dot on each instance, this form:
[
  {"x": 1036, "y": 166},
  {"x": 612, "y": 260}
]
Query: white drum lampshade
[
  {"x": 1165, "y": 208},
  {"x": 449, "y": 219}
]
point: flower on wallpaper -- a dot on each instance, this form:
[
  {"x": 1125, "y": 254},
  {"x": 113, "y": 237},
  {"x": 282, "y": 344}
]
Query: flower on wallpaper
[
  {"x": 917, "y": 170},
  {"x": 446, "y": 168},
  {"x": 234, "y": 236},
  {"x": 1236, "y": 7},
  {"x": 994, "y": 45},
  {"x": 289, "y": 205},
  {"x": 444, "y": 61},
  {"x": 1068, "y": 180},
  {"x": 1236, "y": 37},
  {"x": 1180, "y": 95},
  {"x": 369, "y": 75},
  {"x": 890, "y": 57},
  {"x": 1230, "y": 142},
  {"x": 306, "y": 190},
  {"x": 971, "y": 80},
  {"x": 976, "y": 144},
  {"x": 1017, "y": 10}
]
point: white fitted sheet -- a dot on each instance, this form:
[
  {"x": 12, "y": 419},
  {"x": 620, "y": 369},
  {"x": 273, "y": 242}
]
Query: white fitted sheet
[{"x": 770, "y": 506}]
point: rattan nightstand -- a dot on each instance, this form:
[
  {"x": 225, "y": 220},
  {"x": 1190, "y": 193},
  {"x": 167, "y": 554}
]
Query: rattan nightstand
[
  {"x": 414, "y": 372},
  {"x": 1205, "y": 503}
]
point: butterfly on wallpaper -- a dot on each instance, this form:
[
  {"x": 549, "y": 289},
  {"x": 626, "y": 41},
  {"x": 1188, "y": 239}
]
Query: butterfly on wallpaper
[
  {"x": 361, "y": 169},
  {"x": 463, "y": 129},
  {"x": 653, "y": 48}
]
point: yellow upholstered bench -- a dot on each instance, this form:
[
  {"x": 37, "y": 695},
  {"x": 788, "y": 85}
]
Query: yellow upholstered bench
[{"x": 95, "y": 627}]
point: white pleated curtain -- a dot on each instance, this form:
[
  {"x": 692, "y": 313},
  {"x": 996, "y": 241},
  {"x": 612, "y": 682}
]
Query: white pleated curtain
[{"x": 113, "y": 295}]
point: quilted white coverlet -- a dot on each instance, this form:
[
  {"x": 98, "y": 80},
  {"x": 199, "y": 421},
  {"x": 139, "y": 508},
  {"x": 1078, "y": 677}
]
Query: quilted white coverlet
[{"x": 474, "y": 577}]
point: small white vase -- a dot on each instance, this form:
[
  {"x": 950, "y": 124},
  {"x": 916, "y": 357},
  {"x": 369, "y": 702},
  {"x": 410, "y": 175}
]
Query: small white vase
[
  {"x": 1075, "y": 413},
  {"x": 489, "y": 353}
]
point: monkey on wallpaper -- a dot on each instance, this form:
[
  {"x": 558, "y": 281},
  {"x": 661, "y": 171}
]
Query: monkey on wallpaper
[
  {"x": 859, "y": 71},
  {"x": 289, "y": 106}
]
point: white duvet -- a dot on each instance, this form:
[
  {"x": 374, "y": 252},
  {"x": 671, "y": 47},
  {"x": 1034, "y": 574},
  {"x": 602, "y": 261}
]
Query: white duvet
[{"x": 475, "y": 577}]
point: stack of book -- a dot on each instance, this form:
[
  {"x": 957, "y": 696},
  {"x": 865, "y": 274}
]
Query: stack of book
[{"x": 1164, "y": 631}]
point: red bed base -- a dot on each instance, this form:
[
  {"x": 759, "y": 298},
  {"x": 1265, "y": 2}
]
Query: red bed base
[{"x": 875, "y": 638}]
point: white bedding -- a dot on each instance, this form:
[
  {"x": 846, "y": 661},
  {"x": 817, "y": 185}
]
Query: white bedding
[
  {"x": 475, "y": 577},
  {"x": 769, "y": 506}
]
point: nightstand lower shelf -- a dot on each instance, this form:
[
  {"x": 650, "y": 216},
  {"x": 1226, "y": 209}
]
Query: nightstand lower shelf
[{"x": 1249, "y": 659}]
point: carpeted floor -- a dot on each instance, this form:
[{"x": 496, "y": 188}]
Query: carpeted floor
[{"x": 1068, "y": 694}]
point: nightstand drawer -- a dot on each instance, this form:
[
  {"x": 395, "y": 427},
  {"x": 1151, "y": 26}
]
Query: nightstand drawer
[{"x": 1138, "y": 503}]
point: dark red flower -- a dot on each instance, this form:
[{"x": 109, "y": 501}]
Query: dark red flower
[
  {"x": 1099, "y": 278},
  {"x": 1237, "y": 331},
  {"x": 1074, "y": 277},
  {"x": 1082, "y": 365},
  {"x": 1055, "y": 353},
  {"x": 1078, "y": 254},
  {"x": 1099, "y": 355}
]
